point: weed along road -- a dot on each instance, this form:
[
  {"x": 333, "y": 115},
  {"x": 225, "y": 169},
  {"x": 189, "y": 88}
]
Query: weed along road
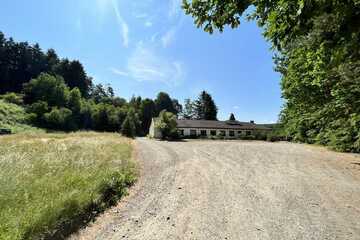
[{"x": 236, "y": 190}]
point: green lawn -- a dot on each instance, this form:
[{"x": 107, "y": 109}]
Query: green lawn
[{"x": 50, "y": 179}]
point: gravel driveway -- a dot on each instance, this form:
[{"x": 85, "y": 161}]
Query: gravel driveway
[{"x": 237, "y": 190}]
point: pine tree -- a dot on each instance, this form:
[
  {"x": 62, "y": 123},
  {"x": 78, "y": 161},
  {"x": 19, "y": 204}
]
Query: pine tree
[
  {"x": 205, "y": 108},
  {"x": 232, "y": 117}
]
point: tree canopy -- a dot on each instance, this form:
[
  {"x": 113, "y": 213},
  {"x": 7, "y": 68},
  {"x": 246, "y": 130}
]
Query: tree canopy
[
  {"x": 20, "y": 62},
  {"x": 205, "y": 108},
  {"x": 232, "y": 117},
  {"x": 317, "y": 51}
]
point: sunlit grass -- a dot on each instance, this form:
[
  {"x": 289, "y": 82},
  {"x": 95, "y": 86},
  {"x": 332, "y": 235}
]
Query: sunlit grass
[{"x": 49, "y": 179}]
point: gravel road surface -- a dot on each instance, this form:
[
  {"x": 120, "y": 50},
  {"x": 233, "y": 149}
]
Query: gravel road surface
[{"x": 236, "y": 190}]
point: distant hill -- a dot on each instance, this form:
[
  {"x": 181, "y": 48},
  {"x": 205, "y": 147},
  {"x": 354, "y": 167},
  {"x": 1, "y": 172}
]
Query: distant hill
[{"x": 14, "y": 117}]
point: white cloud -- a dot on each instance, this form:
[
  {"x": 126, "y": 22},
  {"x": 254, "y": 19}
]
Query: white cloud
[
  {"x": 148, "y": 23},
  {"x": 236, "y": 107},
  {"x": 145, "y": 65},
  {"x": 119, "y": 72},
  {"x": 168, "y": 37},
  {"x": 123, "y": 25}
]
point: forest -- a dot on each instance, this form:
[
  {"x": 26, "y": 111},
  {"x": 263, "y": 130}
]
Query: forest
[{"x": 57, "y": 94}]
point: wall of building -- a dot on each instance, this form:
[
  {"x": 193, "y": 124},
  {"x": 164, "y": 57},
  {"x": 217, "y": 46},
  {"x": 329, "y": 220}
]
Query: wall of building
[
  {"x": 237, "y": 133},
  {"x": 154, "y": 132}
]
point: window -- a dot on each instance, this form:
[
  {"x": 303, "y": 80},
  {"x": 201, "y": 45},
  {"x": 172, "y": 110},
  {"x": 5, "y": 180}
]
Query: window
[
  {"x": 239, "y": 132},
  {"x": 248, "y": 133},
  {"x": 231, "y": 133},
  {"x": 181, "y": 132},
  {"x": 192, "y": 132},
  {"x": 203, "y": 133},
  {"x": 213, "y": 132},
  {"x": 222, "y": 133}
]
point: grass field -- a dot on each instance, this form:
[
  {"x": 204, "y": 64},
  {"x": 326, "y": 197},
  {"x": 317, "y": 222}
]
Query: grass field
[{"x": 51, "y": 180}]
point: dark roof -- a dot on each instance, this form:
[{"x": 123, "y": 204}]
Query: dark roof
[{"x": 220, "y": 125}]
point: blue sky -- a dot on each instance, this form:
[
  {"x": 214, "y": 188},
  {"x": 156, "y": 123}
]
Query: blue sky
[{"x": 142, "y": 47}]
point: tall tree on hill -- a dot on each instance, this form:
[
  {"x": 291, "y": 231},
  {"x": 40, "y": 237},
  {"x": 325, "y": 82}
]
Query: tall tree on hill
[
  {"x": 20, "y": 62},
  {"x": 205, "y": 108},
  {"x": 74, "y": 75},
  {"x": 52, "y": 60}
]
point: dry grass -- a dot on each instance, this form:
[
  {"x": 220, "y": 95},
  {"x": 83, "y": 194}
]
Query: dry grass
[{"x": 50, "y": 179}]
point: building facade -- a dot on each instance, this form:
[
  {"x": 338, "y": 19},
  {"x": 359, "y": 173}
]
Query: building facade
[{"x": 208, "y": 129}]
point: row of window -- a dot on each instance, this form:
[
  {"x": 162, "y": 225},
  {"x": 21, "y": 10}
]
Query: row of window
[{"x": 203, "y": 133}]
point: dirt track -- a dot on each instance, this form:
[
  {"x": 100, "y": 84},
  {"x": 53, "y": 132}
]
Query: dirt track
[{"x": 237, "y": 190}]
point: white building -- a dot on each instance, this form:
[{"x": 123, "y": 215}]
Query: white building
[{"x": 206, "y": 128}]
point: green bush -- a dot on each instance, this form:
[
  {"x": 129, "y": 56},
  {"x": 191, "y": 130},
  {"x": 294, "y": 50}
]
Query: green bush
[
  {"x": 12, "y": 98},
  {"x": 15, "y": 118},
  {"x": 60, "y": 119},
  {"x": 167, "y": 125}
]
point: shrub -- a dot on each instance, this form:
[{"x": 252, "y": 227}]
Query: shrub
[
  {"x": 60, "y": 119},
  {"x": 12, "y": 98},
  {"x": 37, "y": 111},
  {"x": 167, "y": 125}
]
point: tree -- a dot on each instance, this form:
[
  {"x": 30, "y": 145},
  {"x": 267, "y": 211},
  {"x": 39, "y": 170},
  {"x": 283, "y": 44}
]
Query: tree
[
  {"x": 37, "y": 111},
  {"x": 164, "y": 102},
  {"x": 167, "y": 125},
  {"x": 47, "y": 88},
  {"x": 20, "y": 62},
  {"x": 128, "y": 127},
  {"x": 60, "y": 119},
  {"x": 177, "y": 106},
  {"x": 205, "y": 108},
  {"x": 232, "y": 117},
  {"x": 74, "y": 75},
  {"x": 101, "y": 94},
  {"x": 317, "y": 54},
  {"x": 74, "y": 102},
  {"x": 188, "y": 112},
  {"x": 147, "y": 112}
]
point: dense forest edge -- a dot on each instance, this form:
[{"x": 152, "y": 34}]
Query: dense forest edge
[{"x": 57, "y": 94}]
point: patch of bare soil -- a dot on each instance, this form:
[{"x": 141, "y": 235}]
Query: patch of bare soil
[{"x": 236, "y": 190}]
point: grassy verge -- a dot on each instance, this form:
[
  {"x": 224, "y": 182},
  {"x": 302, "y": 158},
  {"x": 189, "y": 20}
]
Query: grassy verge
[{"x": 49, "y": 181}]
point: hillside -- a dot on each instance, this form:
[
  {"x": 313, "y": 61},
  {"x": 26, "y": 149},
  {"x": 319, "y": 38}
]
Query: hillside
[{"x": 14, "y": 117}]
